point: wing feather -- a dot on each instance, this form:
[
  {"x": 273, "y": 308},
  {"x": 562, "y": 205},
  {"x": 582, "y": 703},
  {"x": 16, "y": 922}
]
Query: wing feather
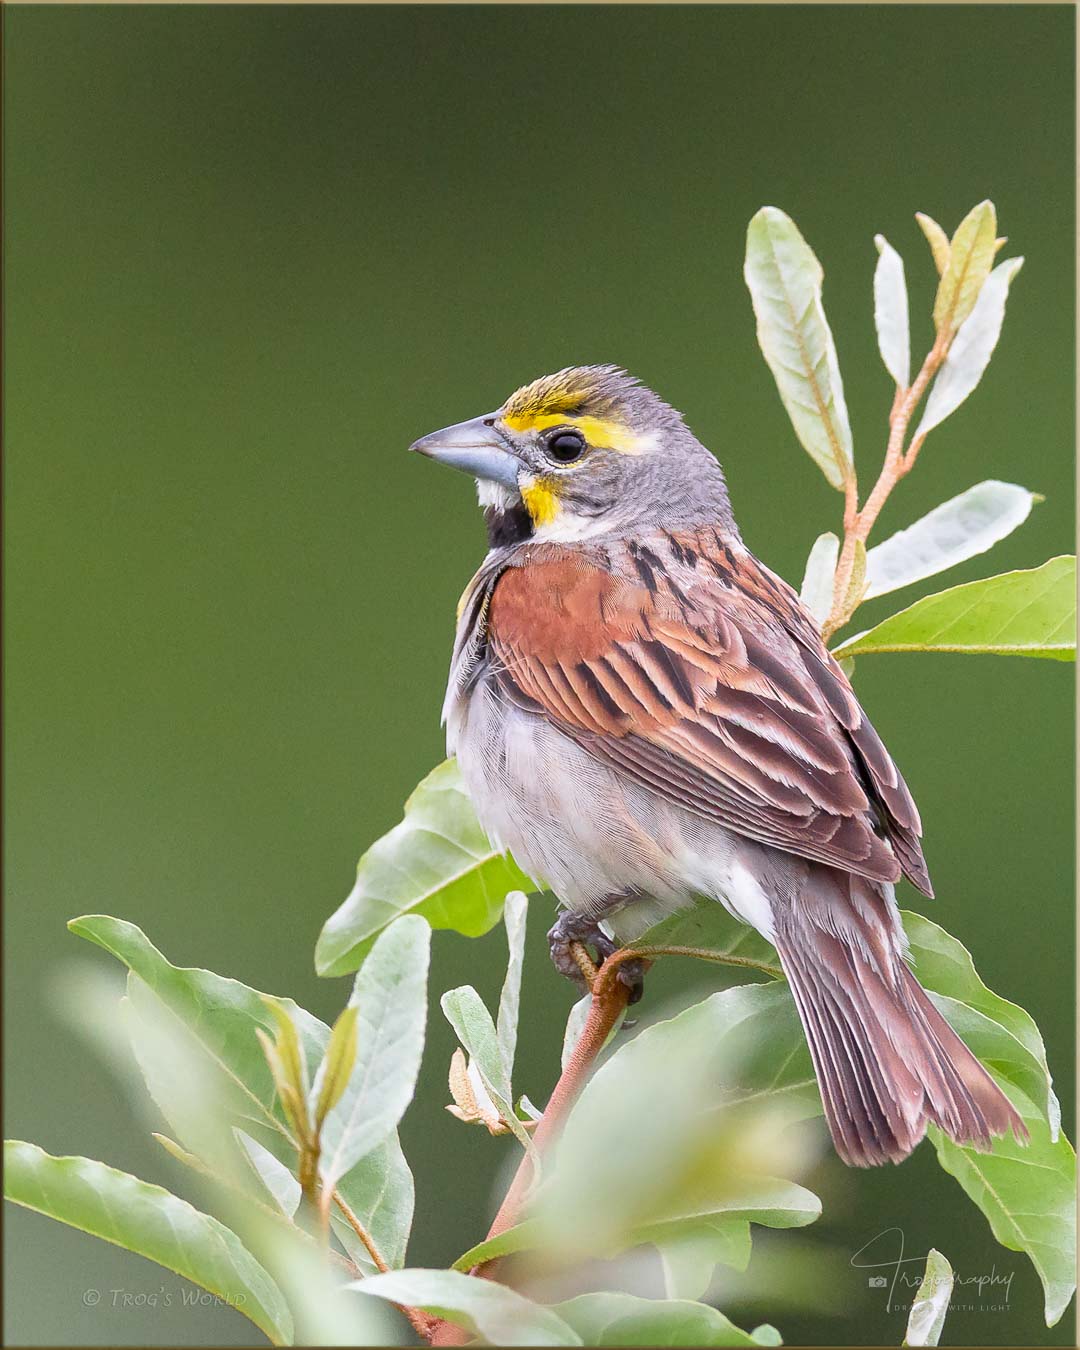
[{"x": 706, "y": 683}]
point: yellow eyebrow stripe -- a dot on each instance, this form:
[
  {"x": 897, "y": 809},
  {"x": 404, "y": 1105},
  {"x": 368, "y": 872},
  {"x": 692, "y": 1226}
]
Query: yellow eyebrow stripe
[{"x": 598, "y": 431}]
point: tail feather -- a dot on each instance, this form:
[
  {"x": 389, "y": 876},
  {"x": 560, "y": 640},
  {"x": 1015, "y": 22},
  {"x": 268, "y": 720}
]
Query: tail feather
[{"x": 887, "y": 1062}]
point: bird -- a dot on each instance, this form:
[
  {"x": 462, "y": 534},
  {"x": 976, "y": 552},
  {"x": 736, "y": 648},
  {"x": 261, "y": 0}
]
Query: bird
[{"x": 644, "y": 715}]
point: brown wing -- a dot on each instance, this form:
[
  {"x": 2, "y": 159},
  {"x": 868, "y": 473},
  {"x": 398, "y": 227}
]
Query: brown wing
[{"x": 701, "y": 678}]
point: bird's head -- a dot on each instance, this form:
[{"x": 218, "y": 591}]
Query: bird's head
[{"x": 584, "y": 452}]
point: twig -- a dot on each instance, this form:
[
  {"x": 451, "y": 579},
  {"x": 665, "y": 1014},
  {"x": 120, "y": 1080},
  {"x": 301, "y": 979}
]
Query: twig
[
  {"x": 699, "y": 954},
  {"x": 326, "y": 1200},
  {"x": 858, "y": 523},
  {"x": 609, "y": 999},
  {"x": 377, "y": 1259},
  {"x": 423, "y": 1324}
]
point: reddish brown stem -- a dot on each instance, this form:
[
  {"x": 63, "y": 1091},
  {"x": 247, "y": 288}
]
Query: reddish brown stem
[
  {"x": 858, "y": 524},
  {"x": 608, "y": 1002},
  {"x": 609, "y": 998}
]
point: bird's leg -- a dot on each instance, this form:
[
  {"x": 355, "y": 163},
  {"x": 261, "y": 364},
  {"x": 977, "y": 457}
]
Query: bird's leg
[{"x": 571, "y": 927}]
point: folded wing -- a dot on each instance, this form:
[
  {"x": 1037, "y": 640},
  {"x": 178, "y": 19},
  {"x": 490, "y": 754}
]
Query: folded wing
[{"x": 700, "y": 677}]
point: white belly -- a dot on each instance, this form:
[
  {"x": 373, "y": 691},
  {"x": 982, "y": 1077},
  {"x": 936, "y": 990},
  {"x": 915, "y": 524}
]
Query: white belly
[{"x": 587, "y": 833}]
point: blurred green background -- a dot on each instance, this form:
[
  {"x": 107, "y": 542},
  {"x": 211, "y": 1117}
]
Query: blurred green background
[{"x": 252, "y": 253}]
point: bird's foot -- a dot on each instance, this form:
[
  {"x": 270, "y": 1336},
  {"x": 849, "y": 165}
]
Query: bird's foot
[{"x": 570, "y": 928}]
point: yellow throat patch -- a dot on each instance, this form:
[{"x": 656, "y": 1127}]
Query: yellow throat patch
[{"x": 540, "y": 496}]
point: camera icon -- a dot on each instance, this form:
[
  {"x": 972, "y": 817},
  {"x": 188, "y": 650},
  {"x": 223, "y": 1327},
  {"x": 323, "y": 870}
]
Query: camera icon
[{"x": 877, "y": 1282}]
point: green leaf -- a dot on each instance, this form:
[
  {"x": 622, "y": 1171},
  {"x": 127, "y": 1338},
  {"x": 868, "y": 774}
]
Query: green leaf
[
  {"x": 290, "y": 1052},
  {"x": 491, "y": 1311},
  {"x": 437, "y": 863},
  {"x": 931, "y": 1302},
  {"x": 971, "y": 255},
  {"x": 623, "y": 1319},
  {"x": 686, "y": 1181},
  {"x": 1003, "y": 1035},
  {"x": 714, "y": 1229},
  {"x": 288, "y": 1064},
  {"x": 150, "y": 1221},
  {"x": 785, "y": 281},
  {"x": 708, "y": 924},
  {"x": 575, "y": 1025},
  {"x": 689, "y": 1259},
  {"x": 173, "y": 1149},
  {"x": 515, "y": 914},
  {"x": 937, "y": 239},
  {"x": 971, "y": 349},
  {"x": 731, "y": 1061},
  {"x": 697, "y": 1240},
  {"x": 390, "y": 995},
  {"x": 769, "y": 1201},
  {"x": 220, "y": 1016},
  {"x": 185, "y": 1086},
  {"x": 465, "y": 1011},
  {"x": 702, "y": 1239},
  {"x": 816, "y": 594},
  {"x": 380, "y": 1192},
  {"x": 524, "y": 1236},
  {"x": 279, "y": 1182},
  {"x": 958, "y": 529},
  {"x": 1005, "y": 1032},
  {"x": 856, "y": 587},
  {"x": 336, "y": 1068},
  {"x": 526, "y": 1109},
  {"x": 891, "y": 312},
  {"x": 1016, "y": 614},
  {"x": 1028, "y": 1194},
  {"x": 326, "y": 1311},
  {"x": 195, "y": 1098}
]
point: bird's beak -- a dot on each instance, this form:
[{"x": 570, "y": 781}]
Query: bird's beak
[{"x": 474, "y": 447}]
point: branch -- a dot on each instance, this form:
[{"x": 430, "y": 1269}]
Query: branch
[
  {"x": 609, "y": 999},
  {"x": 361, "y": 1232},
  {"x": 422, "y": 1323},
  {"x": 858, "y": 524},
  {"x": 699, "y": 954}
]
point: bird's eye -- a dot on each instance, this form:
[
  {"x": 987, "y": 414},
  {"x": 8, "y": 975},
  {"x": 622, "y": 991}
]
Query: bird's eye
[{"x": 566, "y": 446}]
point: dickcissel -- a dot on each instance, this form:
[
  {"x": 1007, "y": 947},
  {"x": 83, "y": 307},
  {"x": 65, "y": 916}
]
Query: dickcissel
[{"x": 644, "y": 714}]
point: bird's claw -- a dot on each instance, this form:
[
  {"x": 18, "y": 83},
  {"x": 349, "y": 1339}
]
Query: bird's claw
[{"x": 572, "y": 928}]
